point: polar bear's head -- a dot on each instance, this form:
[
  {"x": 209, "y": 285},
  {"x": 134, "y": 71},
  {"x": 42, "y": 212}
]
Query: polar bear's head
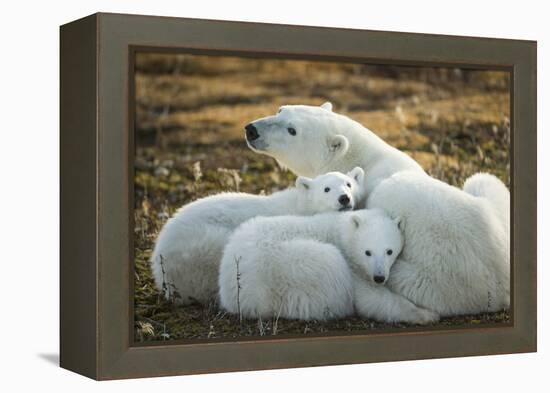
[
  {"x": 303, "y": 138},
  {"x": 332, "y": 191},
  {"x": 374, "y": 241}
]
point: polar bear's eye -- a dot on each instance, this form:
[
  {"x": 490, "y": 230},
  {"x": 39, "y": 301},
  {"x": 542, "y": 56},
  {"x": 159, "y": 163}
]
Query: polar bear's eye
[
  {"x": 368, "y": 253},
  {"x": 389, "y": 252},
  {"x": 349, "y": 185},
  {"x": 327, "y": 189},
  {"x": 291, "y": 131}
]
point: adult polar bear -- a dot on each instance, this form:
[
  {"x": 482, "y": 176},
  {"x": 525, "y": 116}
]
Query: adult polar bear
[{"x": 456, "y": 258}]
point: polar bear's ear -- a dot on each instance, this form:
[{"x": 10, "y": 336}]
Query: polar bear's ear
[
  {"x": 327, "y": 106},
  {"x": 356, "y": 221},
  {"x": 338, "y": 144},
  {"x": 303, "y": 182},
  {"x": 357, "y": 174},
  {"x": 399, "y": 222}
]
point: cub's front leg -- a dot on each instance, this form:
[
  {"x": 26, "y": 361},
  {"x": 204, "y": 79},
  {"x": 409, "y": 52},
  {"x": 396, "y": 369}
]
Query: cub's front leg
[{"x": 378, "y": 302}]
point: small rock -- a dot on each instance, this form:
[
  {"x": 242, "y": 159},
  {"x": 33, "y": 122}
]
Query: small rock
[{"x": 161, "y": 171}]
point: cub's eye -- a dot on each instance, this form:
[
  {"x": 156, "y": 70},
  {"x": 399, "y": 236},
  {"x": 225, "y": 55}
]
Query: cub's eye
[
  {"x": 349, "y": 185},
  {"x": 389, "y": 252},
  {"x": 327, "y": 189},
  {"x": 279, "y": 111},
  {"x": 291, "y": 131},
  {"x": 368, "y": 253}
]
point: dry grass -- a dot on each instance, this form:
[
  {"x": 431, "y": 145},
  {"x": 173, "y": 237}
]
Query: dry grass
[{"x": 189, "y": 144}]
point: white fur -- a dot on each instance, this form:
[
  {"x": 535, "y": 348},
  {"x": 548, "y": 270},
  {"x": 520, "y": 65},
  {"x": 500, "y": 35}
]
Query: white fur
[
  {"x": 456, "y": 257},
  {"x": 189, "y": 247},
  {"x": 295, "y": 267},
  {"x": 332, "y": 142},
  {"x": 485, "y": 185}
]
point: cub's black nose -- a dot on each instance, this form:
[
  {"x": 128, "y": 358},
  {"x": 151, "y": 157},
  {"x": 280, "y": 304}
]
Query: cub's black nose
[
  {"x": 251, "y": 132},
  {"x": 344, "y": 200},
  {"x": 379, "y": 279}
]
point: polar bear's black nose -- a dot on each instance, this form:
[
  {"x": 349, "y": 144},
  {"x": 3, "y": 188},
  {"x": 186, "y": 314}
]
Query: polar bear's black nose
[
  {"x": 251, "y": 132},
  {"x": 379, "y": 279},
  {"x": 344, "y": 200}
]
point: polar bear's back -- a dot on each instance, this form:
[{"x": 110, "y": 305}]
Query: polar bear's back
[
  {"x": 485, "y": 185},
  {"x": 213, "y": 217},
  {"x": 226, "y": 209},
  {"x": 430, "y": 206},
  {"x": 190, "y": 245},
  {"x": 282, "y": 228},
  {"x": 406, "y": 190}
]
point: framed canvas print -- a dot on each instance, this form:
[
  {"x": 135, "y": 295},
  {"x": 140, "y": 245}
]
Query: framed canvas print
[{"x": 241, "y": 196}]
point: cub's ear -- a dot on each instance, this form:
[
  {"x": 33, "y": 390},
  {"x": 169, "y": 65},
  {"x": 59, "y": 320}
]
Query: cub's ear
[
  {"x": 357, "y": 174},
  {"x": 303, "y": 183},
  {"x": 355, "y": 221},
  {"x": 338, "y": 144},
  {"x": 399, "y": 222},
  {"x": 327, "y": 106}
]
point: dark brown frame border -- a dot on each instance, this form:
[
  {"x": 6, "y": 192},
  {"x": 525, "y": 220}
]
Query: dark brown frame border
[{"x": 96, "y": 173}]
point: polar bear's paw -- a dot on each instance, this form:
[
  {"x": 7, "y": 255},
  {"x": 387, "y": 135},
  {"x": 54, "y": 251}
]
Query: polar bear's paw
[{"x": 423, "y": 316}]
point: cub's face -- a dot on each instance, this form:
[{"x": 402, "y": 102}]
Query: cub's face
[
  {"x": 300, "y": 137},
  {"x": 333, "y": 191},
  {"x": 375, "y": 241}
]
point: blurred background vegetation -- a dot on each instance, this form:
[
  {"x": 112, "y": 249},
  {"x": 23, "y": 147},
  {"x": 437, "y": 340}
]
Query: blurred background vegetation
[{"x": 190, "y": 114}]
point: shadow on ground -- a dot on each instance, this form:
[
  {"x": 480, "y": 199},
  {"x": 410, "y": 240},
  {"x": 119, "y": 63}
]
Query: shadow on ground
[{"x": 52, "y": 358}]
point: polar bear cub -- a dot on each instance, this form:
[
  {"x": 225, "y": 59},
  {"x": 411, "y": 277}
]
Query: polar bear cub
[
  {"x": 315, "y": 268},
  {"x": 189, "y": 247}
]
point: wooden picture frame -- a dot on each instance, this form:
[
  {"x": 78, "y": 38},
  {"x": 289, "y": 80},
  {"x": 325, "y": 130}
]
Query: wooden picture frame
[{"x": 97, "y": 183}]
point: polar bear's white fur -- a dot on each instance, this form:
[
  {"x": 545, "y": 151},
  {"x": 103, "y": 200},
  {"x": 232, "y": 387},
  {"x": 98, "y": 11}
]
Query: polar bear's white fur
[
  {"x": 333, "y": 142},
  {"x": 189, "y": 247},
  {"x": 315, "y": 268},
  {"x": 485, "y": 185},
  {"x": 456, "y": 257}
]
